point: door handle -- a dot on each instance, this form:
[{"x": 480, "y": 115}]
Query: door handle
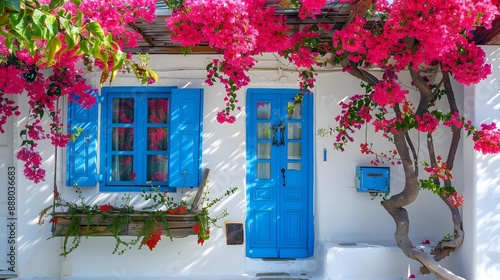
[
  {"x": 283, "y": 171},
  {"x": 274, "y": 132},
  {"x": 281, "y": 129},
  {"x": 282, "y": 134}
]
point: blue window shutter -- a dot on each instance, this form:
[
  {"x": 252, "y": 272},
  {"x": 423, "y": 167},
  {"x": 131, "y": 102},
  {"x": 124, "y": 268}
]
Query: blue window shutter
[
  {"x": 81, "y": 155},
  {"x": 185, "y": 141}
]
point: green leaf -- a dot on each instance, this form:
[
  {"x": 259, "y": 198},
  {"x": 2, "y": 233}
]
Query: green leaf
[
  {"x": 20, "y": 24},
  {"x": 72, "y": 36},
  {"x": 38, "y": 26},
  {"x": 96, "y": 52},
  {"x": 2, "y": 7},
  {"x": 13, "y": 5},
  {"x": 86, "y": 46},
  {"x": 55, "y": 4},
  {"x": 53, "y": 47},
  {"x": 9, "y": 41},
  {"x": 76, "y": 2},
  {"x": 118, "y": 60},
  {"x": 31, "y": 47},
  {"x": 96, "y": 29},
  {"x": 78, "y": 18},
  {"x": 51, "y": 27}
]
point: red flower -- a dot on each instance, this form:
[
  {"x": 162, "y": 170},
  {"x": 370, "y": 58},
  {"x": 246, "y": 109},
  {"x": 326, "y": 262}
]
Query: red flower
[
  {"x": 153, "y": 239},
  {"x": 56, "y": 194},
  {"x": 181, "y": 209},
  {"x": 201, "y": 241},
  {"x": 53, "y": 220},
  {"x": 196, "y": 229},
  {"x": 133, "y": 176},
  {"x": 105, "y": 207}
]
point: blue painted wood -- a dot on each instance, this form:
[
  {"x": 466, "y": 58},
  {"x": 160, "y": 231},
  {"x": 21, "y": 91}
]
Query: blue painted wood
[
  {"x": 186, "y": 127},
  {"x": 279, "y": 220},
  {"x": 81, "y": 154}
]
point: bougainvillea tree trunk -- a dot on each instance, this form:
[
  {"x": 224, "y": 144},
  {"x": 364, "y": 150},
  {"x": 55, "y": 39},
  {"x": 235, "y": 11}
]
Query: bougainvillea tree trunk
[{"x": 408, "y": 157}]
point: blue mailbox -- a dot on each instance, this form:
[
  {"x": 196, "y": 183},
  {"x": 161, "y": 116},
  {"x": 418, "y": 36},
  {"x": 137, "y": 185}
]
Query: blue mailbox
[{"x": 373, "y": 179}]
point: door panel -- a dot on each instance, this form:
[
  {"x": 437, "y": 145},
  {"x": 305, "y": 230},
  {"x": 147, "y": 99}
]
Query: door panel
[{"x": 279, "y": 175}]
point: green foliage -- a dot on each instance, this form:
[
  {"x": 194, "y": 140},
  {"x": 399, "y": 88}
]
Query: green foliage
[
  {"x": 74, "y": 135},
  {"x": 447, "y": 238},
  {"x": 72, "y": 230},
  {"x": 428, "y": 184},
  {"x": 23, "y": 25},
  {"x": 174, "y": 4},
  {"x": 115, "y": 219}
]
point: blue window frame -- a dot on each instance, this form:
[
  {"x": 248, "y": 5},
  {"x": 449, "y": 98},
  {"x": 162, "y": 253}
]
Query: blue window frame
[{"x": 146, "y": 134}]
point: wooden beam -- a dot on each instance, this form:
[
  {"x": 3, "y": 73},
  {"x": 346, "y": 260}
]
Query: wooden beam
[
  {"x": 172, "y": 50},
  {"x": 144, "y": 37}
]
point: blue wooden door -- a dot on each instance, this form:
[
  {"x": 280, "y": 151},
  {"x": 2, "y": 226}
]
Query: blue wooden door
[{"x": 279, "y": 217}]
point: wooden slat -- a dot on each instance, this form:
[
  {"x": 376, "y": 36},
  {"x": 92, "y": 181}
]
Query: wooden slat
[
  {"x": 199, "y": 193},
  {"x": 180, "y": 225}
]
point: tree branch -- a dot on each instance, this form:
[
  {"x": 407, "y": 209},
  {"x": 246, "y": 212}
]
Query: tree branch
[
  {"x": 426, "y": 94},
  {"x": 440, "y": 271},
  {"x": 397, "y": 110},
  {"x": 443, "y": 249},
  {"x": 358, "y": 73}
]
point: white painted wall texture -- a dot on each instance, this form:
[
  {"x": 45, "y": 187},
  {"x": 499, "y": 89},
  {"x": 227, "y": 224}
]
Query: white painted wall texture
[
  {"x": 481, "y": 251},
  {"x": 341, "y": 214}
]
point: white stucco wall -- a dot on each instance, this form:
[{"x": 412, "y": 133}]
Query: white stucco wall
[
  {"x": 480, "y": 255},
  {"x": 341, "y": 214}
]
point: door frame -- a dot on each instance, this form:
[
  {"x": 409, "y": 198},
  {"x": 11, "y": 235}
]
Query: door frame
[{"x": 308, "y": 135}]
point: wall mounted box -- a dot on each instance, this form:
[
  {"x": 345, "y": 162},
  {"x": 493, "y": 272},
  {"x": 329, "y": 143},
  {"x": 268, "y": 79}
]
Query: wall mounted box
[{"x": 373, "y": 179}]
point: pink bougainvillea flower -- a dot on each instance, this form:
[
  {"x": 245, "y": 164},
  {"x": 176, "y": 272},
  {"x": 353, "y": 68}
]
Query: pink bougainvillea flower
[
  {"x": 426, "y": 241},
  {"x": 427, "y": 123},
  {"x": 487, "y": 140},
  {"x": 105, "y": 207},
  {"x": 456, "y": 199},
  {"x": 388, "y": 93},
  {"x": 133, "y": 176}
]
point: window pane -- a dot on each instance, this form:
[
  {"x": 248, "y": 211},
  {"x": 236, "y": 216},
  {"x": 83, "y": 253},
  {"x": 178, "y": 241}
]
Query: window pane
[
  {"x": 294, "y": 150},
  {"x": 294, "y": 131},
  {"x": 264, "y": 131},
  {"x": 157, "y": 110},
  {"x": 264, "y": 150},
  {"x": 157, "y": 167},
  {"x": 123, "y": 110},
  {"x": 123, "y": 139},
  {"x": 263, "y": 111},
  {"x": 122, "y": 168},
  {"x": 157, "y": 139},
  {"x": 263, "y": 170},
  {"x": 297, "y": 111},
  {"x": 294, "y": 166}
]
